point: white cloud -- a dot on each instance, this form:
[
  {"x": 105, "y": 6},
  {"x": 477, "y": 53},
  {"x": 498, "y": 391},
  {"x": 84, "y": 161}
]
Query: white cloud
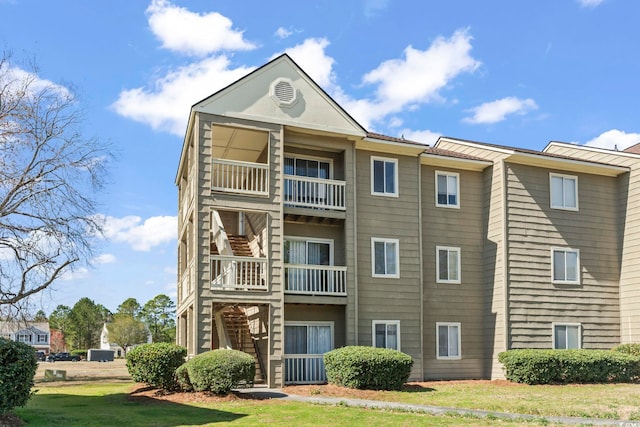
[
  {"x": 104, "y": 259},
  {"x": 172, "y": 270},
  {"x": 496, "y": 111},
  {"x": 420, "y": 75},
  {"x": 424, "y": 136},
  {"x": 613, "y": 139},
  {"x": 142, "y": 236},
  {"x": 590, "y": 3},
  {"x": 283, "y": 33},
  {"x": 311, "y": 57},
  {"x": 191, "y": 33},
  {"x": 77, "y": 274},
  {"x": 415, "y": 79},
  {"x": 166, "y": 106}
]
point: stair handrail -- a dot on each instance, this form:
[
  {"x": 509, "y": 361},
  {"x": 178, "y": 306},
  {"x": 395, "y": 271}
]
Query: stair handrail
[{"x": 219, "y": 235}]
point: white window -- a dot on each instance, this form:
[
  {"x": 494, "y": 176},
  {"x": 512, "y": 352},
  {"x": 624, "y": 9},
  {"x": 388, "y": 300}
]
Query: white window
[
  {"x": 308, "y": 337},
  {"x": 564, "y": 191},
  {"x": 566, "y": 335},
  {"x": 307, "y": 166},
  {"x": 447, "y": 189},
  {"x": 448, "y": 340},
  {"x": 384, "y": 176},
  {"x": 386, "y": 334},
  {"x": 42, "y": 338},
  {"x": 447, "y": 264},
  {"x": 385, "y": 254},
  {"x": 24, "y": 338},
  {"x": 565, "y": 266}
]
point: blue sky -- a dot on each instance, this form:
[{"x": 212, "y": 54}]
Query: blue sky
[{"x": 504, "y": 72}]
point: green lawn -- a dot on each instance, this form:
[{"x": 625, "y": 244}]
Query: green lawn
[
  {"x": 610, "y": 401},
  {"x": 106, "y": 404}
]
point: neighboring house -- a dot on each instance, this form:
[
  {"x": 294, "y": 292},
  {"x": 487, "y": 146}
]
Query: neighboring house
[
  {"x": 36, "y": 334},
  {"x": 300, "y": 232},
  {"x": 118, "y": 351}
]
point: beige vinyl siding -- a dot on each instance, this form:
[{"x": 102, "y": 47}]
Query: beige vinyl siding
[
  {"x": 393, "y": 218},
  {"x": 534, "y": 229},
  {"x": 629, "y": 203},
  {"x": 447, "y": 302},
  {"x": 495, "y": 305}
]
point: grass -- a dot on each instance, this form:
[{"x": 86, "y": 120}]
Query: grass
[
  {"x": 108, "y": 404},
  {"x": 608, "y": 401}
]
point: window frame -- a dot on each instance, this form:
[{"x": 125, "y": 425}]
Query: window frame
[
  {"x": 564, "y": 207},
  {"x": 386, "y": 323},
  {"x": 329, "y": 323},
  {"x": 553, "y": 266},
  {"x": 449, "y": 249},
  {"x": 385, "y": 240},
  {"x": 448, "y": 325},
  {"x": 554, "y": 325},
  {"x": 295, "y": 157},
  {"x": 385, "y": 160},
  {"x": 447, "y": 175},
  {"x": 306, "y": 241}
]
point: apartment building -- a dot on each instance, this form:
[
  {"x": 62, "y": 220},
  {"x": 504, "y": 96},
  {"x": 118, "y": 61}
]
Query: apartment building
[{"x": 300, "y": 232}]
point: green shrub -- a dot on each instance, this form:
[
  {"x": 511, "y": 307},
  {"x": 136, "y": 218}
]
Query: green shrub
[
  {"x": 182, "y": 378},
  {"x": 18, "y": 366},
  {"x": 632, "y": 349},
  {"x": 218, "y": 371},
  {"x": 569, "y": 366},
  {"x": 155, "y": 364},
  {"x": 368, "y": 368}
]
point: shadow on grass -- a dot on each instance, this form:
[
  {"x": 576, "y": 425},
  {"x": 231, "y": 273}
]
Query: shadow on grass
[
  {"x": 416, "y": 388},
  {"x": 117, "y": 409}
]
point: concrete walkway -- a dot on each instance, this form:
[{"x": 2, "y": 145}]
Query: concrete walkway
[{"x": 267, "y": 393}]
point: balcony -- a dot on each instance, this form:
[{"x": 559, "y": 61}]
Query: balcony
[
  {"x": 238, "y": 273},
  {"x": 314, "y": 193},
  {"x": 304, "y": 369},
  {"x": 234, "y": 176},
  {"x": 306, "y": 279}
]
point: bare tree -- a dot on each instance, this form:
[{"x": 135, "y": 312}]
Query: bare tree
[{"x": 49, "y": 174}]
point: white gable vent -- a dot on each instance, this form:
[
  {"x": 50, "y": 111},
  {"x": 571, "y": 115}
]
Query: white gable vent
[{"x": 283, "y": 92}]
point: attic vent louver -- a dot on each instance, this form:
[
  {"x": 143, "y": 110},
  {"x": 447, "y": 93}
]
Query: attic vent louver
[{"x": 283, "y": 93}]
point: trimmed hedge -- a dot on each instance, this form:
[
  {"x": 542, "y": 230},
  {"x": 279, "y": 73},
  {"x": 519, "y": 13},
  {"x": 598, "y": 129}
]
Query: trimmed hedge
[
  {"x": 81, "y": 353},
  {"x": 217, "y": 371},
  {"x": 632, "y": 349},
  {"x": 18, "y": 366},
  {"x": 367, "y": 368},
  {"x": 155, "y": 364},
  {"x": 569, "y": 366}
]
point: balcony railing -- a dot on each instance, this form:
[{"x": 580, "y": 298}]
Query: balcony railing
[
  {"x": 304, "y": 192},
  {"x": 240, "y": 177},
  {"x": 187, "y": 281},
  {"x": 315, "y": 279},
  {"x": 304, "y": 369},
  {"x": 238, "y": 273}
]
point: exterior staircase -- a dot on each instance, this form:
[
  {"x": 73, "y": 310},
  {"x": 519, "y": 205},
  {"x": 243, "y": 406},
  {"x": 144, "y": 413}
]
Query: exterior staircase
[
  {"x": 236, "y": 324},
  {"x": 239, "y": 245}
]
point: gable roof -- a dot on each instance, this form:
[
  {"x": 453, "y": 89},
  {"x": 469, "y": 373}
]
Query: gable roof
[
  {"x": 251, "y": 98},
  {"x": 543, "y": 159}
]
